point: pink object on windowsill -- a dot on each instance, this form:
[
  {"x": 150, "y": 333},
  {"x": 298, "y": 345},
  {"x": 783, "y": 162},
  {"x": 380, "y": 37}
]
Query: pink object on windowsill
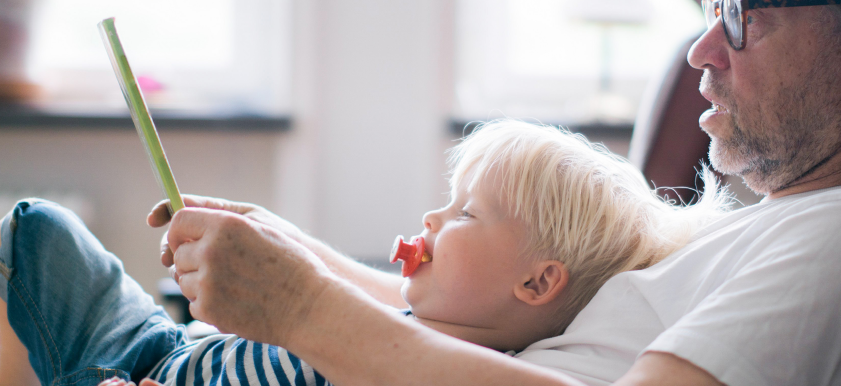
[{"x": 148, "y": 84}]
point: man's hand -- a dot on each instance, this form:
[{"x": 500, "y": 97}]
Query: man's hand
[
  {"x": 242, "y": 276},
  {"x": 159, "y": 216},
  {"x": 382, "y": 286}
]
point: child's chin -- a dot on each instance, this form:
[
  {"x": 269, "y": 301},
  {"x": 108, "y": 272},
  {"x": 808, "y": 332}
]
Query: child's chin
[
  {"x": 405, "y": 291},
  {"x": 412, "y": 293}
]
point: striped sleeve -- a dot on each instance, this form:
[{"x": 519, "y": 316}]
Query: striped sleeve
[{"x": 223, "y": 360}]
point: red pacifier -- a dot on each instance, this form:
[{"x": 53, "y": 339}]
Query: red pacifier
[{"x": 412, "y": 254}]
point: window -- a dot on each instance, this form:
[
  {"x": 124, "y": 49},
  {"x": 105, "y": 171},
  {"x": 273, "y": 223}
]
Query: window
[
  {"x": 567, "y": 62},
  {"x": 206, "y": 57}
]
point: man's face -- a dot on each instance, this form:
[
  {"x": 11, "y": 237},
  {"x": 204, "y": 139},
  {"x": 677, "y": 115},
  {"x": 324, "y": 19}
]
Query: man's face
[
  {"x": 777, "y": 103},
  {"x": 475, "y": 246}
]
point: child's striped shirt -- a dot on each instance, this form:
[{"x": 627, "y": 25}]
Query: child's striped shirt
[{"x": 227, "y": 360}]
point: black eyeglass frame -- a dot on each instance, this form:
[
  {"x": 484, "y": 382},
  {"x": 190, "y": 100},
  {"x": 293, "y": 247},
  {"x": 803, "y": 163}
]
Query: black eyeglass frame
[{"x": 746, "y": 5}]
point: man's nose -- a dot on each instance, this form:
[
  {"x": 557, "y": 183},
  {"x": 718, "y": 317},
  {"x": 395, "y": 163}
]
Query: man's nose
[{"x": 711, "y": 49}]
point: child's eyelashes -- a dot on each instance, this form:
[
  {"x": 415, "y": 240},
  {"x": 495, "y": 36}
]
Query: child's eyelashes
[{"x": 463, "y": 214}]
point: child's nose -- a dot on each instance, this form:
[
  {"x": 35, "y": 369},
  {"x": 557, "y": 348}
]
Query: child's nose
[{"x": 432, "y": 220}]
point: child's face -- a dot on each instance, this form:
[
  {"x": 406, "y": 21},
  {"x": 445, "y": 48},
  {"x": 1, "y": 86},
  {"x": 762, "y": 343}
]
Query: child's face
[{"x": 475, "y": 246}]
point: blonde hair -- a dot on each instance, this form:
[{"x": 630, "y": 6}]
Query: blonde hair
[{"x": 582, "y": 205}]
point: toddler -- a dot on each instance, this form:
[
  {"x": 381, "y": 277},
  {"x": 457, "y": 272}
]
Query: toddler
[{"x": 539, "y": 219}]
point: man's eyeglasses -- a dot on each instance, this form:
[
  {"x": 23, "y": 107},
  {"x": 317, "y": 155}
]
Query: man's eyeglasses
[{"x": 734, "y": 14}]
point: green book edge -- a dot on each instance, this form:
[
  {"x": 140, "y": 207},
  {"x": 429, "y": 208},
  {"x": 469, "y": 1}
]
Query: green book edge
[{"x": 140, "y": 115}]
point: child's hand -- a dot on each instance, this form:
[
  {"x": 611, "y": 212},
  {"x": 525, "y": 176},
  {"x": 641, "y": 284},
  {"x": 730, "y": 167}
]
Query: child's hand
[{"x": 120, "y": 382}]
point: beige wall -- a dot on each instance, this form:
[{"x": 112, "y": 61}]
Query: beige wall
[{"x": 105, "y": 175}]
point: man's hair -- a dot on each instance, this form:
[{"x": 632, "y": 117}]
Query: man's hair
[{"x": 583, "y": 206}]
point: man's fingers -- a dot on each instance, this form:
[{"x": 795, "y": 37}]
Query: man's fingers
[
  {"x": 173, "y": 273},
  {"x": 196, "y": 311},
  {"x": 189, "y": 285},
  {"x": 167, "y": 257},
  {"x": 159, "y": 216},
  {"x": 189, "y": 224},
  {"x": 166, "y": 252},
  {"x": 187, "y": 258},
  {"x": 209, "y": 202}
]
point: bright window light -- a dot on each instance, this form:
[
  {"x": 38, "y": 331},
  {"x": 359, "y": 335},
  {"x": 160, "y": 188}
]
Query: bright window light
[
  {"x": 207, "y": 57},
  {"x": 570, "y": 62}
]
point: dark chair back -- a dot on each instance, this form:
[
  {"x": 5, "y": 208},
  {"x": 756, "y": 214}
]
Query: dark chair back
[{"x": 667, "y": 144}]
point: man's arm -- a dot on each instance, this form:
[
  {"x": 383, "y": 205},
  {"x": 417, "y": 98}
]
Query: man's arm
[
  {"x": 382, "y": 286},
  {"x": 659, "y": 368},
  {"x": 393, "y": 351},
  {"x": 372, "y": 345}
]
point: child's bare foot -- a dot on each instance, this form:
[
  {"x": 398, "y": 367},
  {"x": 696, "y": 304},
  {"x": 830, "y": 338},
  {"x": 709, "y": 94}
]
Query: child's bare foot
[
  {"x": 116, "y": 382},
  {"x": 120, "y": 382}
]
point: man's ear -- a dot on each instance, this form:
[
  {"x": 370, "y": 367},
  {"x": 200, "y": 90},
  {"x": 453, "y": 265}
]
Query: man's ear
[{"x": 543, "y": 284}]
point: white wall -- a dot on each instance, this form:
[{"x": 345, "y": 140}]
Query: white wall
[
  {"x": 361, "y": 164},
  {"x": 364, "y": 160},
  {"x": 374, "y": 84}
]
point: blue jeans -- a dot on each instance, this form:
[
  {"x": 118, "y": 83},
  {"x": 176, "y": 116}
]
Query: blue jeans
[{"x": 82, "y": 319}]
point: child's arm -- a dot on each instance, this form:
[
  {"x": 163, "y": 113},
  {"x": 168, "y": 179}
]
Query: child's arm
[{"x": 382, "y": 286}]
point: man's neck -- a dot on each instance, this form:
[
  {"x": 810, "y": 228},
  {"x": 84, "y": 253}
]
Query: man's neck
[{"x": 827, "y": 175}]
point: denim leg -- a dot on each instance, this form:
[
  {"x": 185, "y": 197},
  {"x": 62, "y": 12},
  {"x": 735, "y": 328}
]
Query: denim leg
[{"x": 81, "y": 318}]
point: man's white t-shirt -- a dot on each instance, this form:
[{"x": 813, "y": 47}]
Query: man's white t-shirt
[{"x": 755, "y": 299}]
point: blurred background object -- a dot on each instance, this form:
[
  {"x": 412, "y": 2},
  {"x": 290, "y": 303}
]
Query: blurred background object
[
  {"x": 576, "y": 63},
  {"x": 15, "y": 17},
  {"x": 333, "y": 114},
  {"x": 208, "y": 57},
  {"x": 607, "y": 14}
]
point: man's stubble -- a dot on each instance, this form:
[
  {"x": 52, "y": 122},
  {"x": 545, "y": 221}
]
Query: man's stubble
[{"x": 776, "y": 141}]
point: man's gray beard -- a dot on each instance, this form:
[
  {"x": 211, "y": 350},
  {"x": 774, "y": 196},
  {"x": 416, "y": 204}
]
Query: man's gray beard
[{"x": 773, "y": 145}]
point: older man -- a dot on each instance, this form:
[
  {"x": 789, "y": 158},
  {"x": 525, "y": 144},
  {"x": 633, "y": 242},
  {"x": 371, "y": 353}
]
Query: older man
[{"x": 754, "y": 300}]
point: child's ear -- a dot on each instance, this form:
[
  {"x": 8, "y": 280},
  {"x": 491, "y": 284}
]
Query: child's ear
[{"x": 544, "y": 283}]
